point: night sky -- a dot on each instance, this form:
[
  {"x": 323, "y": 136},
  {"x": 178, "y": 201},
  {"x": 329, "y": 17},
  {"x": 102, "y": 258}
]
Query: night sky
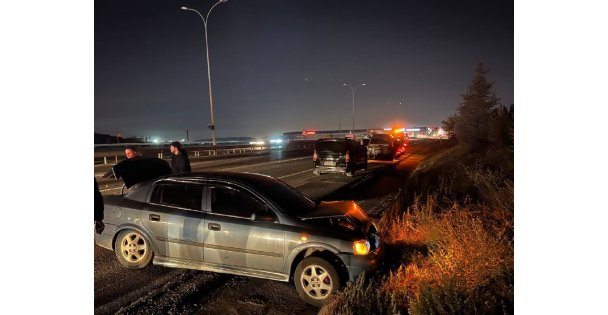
[{"x": 279, "y": 65}]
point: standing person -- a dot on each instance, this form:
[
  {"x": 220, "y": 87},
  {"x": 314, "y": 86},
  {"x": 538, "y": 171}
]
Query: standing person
[
  {"x": 98, "y": 215},
  {"x": 131, "y": 152},
  {"x": 179, "y": 161}
]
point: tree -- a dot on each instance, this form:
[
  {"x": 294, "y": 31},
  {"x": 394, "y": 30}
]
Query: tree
[
  {"x": 501, "y": 128},
  {"x": 472, "y": 123},
  {"x": 449, "y": 124}
]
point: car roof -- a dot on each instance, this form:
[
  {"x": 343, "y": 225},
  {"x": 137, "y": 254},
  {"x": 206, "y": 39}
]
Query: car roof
[
  {"x": 250, "y": 179},
  {"x": 265, "y": 185}
]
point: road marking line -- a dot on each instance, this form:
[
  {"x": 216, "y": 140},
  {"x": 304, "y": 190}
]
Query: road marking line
[
  {"x": 266, "y": 163},
  {"x": 304, "y": 171}
]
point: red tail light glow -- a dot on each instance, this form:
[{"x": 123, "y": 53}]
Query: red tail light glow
[
  {"x": 347, "y": 157},
  {"x": 314, "y": 155}
]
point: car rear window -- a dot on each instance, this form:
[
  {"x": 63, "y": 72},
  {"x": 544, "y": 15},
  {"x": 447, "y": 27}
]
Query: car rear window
[
  {"x": 380, "y": 140},
  {"x": 332, "y": 146}
]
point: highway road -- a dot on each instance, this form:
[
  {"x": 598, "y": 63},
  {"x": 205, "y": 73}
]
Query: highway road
[{"x": 160, "y": 290}]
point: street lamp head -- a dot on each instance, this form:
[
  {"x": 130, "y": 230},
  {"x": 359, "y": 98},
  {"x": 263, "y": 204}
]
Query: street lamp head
[
  {"x": 363, "y": 84},
  {"x": 185, "y": 8},
  {"x": 344, "y": 84},
  {"x": 223, "y": 0}
]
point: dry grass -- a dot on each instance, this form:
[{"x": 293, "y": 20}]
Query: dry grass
[
  {"x": 466, "y": 256},
  {"x": 454, "y": 258},
  {"x": 362, "y": 297}
]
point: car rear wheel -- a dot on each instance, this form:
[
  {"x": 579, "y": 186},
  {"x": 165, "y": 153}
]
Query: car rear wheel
[
  {"x": 133, "y": 250},
  {"x": 316, "y": 280}
]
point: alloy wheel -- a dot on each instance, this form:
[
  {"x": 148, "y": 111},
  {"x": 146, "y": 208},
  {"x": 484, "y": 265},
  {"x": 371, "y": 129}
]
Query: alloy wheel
[
  {"x": 133, "y": 247},
  {"x": 316, "y": 281}
]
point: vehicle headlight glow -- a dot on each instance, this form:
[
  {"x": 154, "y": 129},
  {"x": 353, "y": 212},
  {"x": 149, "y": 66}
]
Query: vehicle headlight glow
[{"x": 361, "y": 247}]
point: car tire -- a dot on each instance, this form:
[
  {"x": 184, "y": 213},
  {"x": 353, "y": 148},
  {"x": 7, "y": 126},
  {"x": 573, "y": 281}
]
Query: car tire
[
  {"x": 316, "y": 280},
  {"x": 133, "y": 249}
]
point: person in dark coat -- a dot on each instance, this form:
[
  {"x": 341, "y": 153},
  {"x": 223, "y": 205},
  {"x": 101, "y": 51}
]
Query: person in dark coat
[
  {"x": 131, "y": 152},
  {"x": 98, "y": 207},
  {"x": 179, "y": 161}
]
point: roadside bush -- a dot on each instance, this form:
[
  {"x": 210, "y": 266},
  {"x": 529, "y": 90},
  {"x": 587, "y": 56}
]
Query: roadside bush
[
  {"x": 467, "y": 258},
  {"x": 450, "y": 251},
  {"x": 362, "y": 297},
  {"x": 457, "y": 175}
]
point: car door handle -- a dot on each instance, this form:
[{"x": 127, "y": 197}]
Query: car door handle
[
  {"x": 214, "y": 226},
  {"x": 154, "y": 217}
]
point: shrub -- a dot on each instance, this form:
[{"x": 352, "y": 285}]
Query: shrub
[
  {"x": 362, "y": 297},
  {"x": 467, "y": 258},
  {"x": 448, "y": 241}
]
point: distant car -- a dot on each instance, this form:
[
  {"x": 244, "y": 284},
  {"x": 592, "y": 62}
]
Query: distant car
[
  {"x": 239, "y": 223},
  {"x": 335, "y": 155},
  {"x": 381, "y": 147}
]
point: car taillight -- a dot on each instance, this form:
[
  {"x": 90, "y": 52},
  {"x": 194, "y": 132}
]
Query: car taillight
[
  {"x": 314, "y": 155},
  {"x": 347, "y": 157}
]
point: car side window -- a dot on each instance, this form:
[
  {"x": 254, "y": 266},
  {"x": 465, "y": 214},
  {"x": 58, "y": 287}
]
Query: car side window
[
  {"x": 180, "y": 195},
  {"x": 230, "y": 201}
]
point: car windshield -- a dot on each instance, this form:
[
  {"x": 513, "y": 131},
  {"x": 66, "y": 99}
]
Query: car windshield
[
  {"x": 289, "y": 199},
  {"x": 379, "y": 140},
  {"x": 332, "y": 146}
]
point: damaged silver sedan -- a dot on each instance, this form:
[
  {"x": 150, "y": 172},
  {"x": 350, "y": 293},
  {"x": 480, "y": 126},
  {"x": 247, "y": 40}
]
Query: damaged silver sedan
[{"x": 238, "y": 223}]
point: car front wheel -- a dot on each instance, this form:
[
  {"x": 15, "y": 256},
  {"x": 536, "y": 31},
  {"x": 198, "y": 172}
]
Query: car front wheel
[
  {"x": 316, "y": 280},
  {"x": 133, "y": 250}
]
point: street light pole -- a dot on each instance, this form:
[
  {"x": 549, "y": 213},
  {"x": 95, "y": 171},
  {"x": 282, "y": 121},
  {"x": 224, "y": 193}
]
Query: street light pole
[
  {"x": 212, "y": 126},
  {"x": 353, "y": 90}
]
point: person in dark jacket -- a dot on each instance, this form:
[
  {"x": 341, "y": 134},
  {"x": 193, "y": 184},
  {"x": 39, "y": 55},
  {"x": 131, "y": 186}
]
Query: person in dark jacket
[
  {"x": 131, "y": 152},
  {"x": 179, "y": 161},
  {"x": 98, "y": 207}
]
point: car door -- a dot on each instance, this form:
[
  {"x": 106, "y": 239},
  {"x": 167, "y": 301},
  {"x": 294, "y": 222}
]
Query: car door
[
  {"x": 174, "y": 217},
  {"x": 233, "y": 239}
]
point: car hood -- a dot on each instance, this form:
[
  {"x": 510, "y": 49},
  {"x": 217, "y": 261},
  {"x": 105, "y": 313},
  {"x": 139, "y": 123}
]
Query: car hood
[
  {"x": 333, "y": 209},
  {"x": 137, "y": 170}
]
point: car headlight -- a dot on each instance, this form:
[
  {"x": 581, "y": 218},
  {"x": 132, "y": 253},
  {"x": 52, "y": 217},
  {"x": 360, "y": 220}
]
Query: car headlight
[{"x": 361, "y": 247}]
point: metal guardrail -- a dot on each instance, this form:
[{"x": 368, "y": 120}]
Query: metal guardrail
[{"x": 114, "y": 153}]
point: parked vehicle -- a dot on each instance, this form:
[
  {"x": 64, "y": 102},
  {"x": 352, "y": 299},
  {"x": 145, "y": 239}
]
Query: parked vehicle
[
  {"x": 333, "y": 155},
  {"x": 365, "y": 141},
  {"x": 381, "y": 147},
  {"x": 239, "y": 223}
]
